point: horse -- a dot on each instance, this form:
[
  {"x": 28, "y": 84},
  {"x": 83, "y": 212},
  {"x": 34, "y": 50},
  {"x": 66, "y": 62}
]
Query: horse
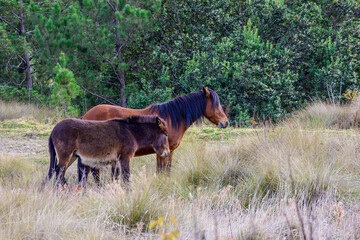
[
  {"x": 179, "y": 114},
  {"x": 99, "y": 143}
]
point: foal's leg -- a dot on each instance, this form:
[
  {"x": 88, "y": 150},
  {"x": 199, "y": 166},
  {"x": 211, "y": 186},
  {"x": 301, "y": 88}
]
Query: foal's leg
[
  {"x": 96, "y": 174},
  {"x": 125, "y": 168},
  {"x": 83, "y": 171},
  {"x": 61, "y": 168},
  {"x": 115, "y": 171},
  {"x": 64, "y": 162},
  {"x": 60, "y": 175}
]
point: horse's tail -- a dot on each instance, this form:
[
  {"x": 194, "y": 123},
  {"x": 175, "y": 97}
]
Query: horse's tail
[{"x": 52, "y": 159}]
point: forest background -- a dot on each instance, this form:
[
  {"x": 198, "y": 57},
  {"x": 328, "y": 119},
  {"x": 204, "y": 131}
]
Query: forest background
[{"x": 265, "y": 58}]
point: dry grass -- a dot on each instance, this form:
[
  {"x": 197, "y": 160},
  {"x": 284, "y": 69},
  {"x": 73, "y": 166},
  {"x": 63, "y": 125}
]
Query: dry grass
[
  {"x": 231, "y": 184},
  {"x": 12, "y": 110},
  {"x": 325, "y": 116}
]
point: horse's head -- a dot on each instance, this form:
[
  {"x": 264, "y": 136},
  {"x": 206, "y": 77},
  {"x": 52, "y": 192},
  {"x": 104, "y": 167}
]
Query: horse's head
[
  {"x": 161, "y": 143},
  {"x": 213, "y": 110}
]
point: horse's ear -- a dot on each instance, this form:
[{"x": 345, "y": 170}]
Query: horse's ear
[
  {"x": 158, "y": 121},
  {"x": 207, "y": 92}
]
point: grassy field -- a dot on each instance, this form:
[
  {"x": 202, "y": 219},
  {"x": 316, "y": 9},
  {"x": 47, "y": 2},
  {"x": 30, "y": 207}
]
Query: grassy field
[{"x": 298, "y": 179}]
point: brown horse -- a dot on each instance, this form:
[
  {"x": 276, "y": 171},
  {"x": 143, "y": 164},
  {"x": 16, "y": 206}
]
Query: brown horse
[
  {"x": 179, "y": 114},
  {"x": 99, "y": 143}
]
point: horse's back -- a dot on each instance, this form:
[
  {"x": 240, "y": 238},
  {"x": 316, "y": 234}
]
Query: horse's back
[{"x": 105, "y": 112}]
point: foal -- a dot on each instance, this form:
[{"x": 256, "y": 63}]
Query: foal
[{"x": 99, "y": 143}]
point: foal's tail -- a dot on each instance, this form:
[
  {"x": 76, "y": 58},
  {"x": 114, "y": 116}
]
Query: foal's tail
[{"x": 52, "y": 159}]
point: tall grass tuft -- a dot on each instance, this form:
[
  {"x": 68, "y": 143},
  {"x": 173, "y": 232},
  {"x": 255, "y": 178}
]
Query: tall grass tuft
[
  {"x": 15, "y": 171},
  {"x": 328, "y": 116}
]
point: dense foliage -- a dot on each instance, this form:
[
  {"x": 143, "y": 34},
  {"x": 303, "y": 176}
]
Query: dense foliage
[{"x": 265, "y": 58}]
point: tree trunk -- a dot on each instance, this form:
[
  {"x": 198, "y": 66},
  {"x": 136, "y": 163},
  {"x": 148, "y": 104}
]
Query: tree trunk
[
  {"x": 28, "y": 73},
  {"x": 27, "y": 58},
  {"x": 122, "y": 89},
  {"x": 121, "y": 75}
]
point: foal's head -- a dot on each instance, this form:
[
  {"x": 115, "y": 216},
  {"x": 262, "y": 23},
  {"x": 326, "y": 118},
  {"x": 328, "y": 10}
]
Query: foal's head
[{"x": 161, "y": 143}]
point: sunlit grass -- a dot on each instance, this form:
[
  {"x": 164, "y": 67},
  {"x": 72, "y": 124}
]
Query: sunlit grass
[
  {"x": 328, "y": 116},
  {"x": 13, "y": 110},
  {"x": 232, "y": 183}
]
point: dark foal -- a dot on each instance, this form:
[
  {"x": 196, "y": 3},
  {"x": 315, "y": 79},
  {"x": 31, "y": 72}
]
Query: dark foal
[{"x": 100, "y": 143}]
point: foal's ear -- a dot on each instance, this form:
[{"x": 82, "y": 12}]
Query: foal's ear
[
  {"x": 207, "y": 92},
  {"x": 158, "y": 121}
]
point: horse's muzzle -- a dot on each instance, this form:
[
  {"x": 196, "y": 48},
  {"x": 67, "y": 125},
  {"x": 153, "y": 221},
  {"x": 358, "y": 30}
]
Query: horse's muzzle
[
  {"x": 224, "y": 124},
  {"x": 165, "y": 154}
]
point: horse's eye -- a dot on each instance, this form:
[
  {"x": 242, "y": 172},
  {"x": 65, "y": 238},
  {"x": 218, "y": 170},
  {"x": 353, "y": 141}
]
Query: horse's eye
[{"x": 166, "y": 134}]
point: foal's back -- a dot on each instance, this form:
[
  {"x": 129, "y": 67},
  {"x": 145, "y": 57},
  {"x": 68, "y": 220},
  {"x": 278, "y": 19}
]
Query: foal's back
[
  {"x": 98, "y": 138},
  {"x": 94, "y": 137}
]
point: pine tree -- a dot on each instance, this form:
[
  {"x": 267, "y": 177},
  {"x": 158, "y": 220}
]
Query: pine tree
[
  {"x": 65, "y": 88},
  {"x": 97, "y": 36},
  {"x": 15, "y": 48}
]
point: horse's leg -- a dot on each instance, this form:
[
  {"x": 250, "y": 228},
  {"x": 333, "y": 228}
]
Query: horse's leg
[
  {"x": 96, "y": 174},
  {"x": 125, "y": 168},
  {"x": 168, "y": 162},
  {"x": 164, "y": 163},
  {"x": 159, "y": 163}
]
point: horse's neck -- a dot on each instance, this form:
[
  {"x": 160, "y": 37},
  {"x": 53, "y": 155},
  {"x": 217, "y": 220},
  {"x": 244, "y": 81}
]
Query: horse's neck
[
  {"x": 140, "y": 112},
  {"x": 175, "y": 135},
  {"x": 145, "y": 111}
]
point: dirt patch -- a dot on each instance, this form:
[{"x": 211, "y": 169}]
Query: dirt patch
[
  {"x": 13, "y": 146},
  {"x": 24, "y": 138}
]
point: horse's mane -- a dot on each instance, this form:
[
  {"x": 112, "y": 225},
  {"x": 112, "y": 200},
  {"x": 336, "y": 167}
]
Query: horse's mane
[
  {"x": 188, "y": 108},
  {"x": 139, "y": 119}
]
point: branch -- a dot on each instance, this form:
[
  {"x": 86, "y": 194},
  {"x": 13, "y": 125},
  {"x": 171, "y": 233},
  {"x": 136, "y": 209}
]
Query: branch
[
  {"x": 21, "y": 58},
  {"x": 19, "y": 85},
  {"x": 107, "y": 82},
  {"x": 112, "y": 7},
  {"x": 96, "y": 95},
  {"x": 96, "y": 50},
  {"x": 106, "y": 59},
  {"x": 15, "y": 14},
  {"x": 12, "y": 66},
  {"x": 114, "y": 69},
  {"x": 4, "y": 20},
  {"x": 119, "y": 50}
]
